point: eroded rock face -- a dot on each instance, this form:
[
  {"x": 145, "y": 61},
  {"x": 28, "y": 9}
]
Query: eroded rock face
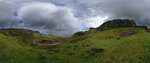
[{"x": 117, "y": 23}]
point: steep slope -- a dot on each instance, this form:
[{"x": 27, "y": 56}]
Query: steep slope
[
  {"x": 105, "y": 47},
  {"x": 11, "y": 51}
]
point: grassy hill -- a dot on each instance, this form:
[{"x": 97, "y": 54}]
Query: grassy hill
[
  {"x": 123, "y": 45},
  {"x": 116, "y": 41}
]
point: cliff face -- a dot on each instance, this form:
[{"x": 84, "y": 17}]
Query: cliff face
[{"x": 117, "y": 23}]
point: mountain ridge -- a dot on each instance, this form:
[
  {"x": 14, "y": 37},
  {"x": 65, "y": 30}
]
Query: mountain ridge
[{"x": 113, "y": 24}]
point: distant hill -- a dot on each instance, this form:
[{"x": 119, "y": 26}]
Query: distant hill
[
  {"x": 16, "y": 31},
  {"x": 24, "y": 35}
]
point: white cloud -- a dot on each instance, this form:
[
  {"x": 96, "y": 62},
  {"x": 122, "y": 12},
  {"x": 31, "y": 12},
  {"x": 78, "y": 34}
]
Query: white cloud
[
  {"x": 95, "y": 22},
  {"x": 68, "y": 16},
  {"x": 56, "y": 19}
]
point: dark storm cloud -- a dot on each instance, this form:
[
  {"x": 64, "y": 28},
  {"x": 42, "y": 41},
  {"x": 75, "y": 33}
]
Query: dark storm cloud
[
  {"x": 5, "y": 13},
  {"x": 68, "y": 16}
]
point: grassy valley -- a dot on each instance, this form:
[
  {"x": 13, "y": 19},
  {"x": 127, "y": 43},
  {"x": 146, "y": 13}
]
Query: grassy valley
[{"x": 121, "y": 45}]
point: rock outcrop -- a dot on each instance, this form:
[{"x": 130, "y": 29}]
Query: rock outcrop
[
  {"x": 117, "y": 23},
  {"x": 114, "y": 24}
]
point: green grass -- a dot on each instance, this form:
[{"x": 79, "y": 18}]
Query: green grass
[{"x": 97, "y": 47}]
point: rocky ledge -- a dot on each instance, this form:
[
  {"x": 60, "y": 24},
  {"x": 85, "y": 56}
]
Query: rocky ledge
[{"x": 118, "y": 23}]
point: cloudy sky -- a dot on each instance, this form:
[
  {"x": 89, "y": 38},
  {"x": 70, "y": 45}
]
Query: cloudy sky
[{"x": 69, "y": 16}]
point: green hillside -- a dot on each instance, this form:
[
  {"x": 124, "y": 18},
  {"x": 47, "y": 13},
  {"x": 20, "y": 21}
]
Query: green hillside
[
  {"x": 124, "y": 45},
  {"x": 116, "y": 41}
]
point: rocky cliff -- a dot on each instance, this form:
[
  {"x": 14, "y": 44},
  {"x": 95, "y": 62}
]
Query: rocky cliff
[{"x": 117, "y": 23}]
